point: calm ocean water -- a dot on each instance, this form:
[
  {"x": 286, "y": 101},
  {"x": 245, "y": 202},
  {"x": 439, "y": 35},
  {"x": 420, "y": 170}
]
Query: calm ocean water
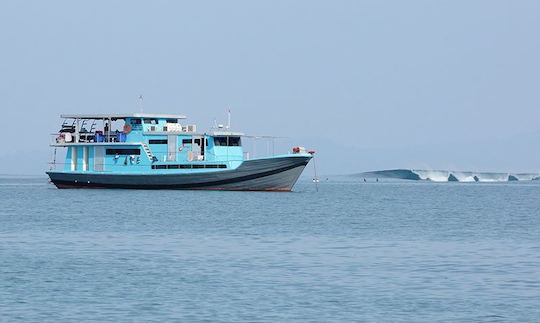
[{"x": 374, "y": 252}]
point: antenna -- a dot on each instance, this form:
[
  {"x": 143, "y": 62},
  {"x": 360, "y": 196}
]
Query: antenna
[
  {"x": 229, "y": 119},
  {"x": 140, "y": 103}
]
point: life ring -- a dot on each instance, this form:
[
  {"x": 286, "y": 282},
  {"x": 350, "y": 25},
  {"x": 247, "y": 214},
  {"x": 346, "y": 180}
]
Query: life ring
[
  {"x": 190, "y": 156},
  {"x": 127, "y": 128},
  {"x": 61, "y": 138}
]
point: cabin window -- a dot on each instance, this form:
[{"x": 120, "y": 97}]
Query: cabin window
[
  {"x": 234, "y": 141},
  {"x": 188, "y": 166},
  {"x": 135, "y": 121},
  {"x": 220, "y": 141},
  {"x": 157, "y": 141},
  {"x": 198, "y": 141},
  {"x": 172, "y": 120},
  {"x": 150, "y": 121},
  {"x": 227, "y": 141},
  {"x": 123, "y": 151}
]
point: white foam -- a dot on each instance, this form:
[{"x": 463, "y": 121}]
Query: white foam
[
  {"x": 432, "y": 175},
  {"x": 526, "y": 177},
  {"x": 464, "y": 176},
  {"x": 492, "y": 177},
  {"x": 461, "y": 176}
]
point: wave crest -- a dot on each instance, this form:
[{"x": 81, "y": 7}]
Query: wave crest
[{"x": 449, "y": 176}]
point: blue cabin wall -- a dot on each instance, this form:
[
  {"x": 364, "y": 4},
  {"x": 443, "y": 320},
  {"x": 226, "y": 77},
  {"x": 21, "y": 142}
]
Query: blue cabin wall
[
  {"x": 227, "y": 153},
  {"x": 231, "y": 156},
  {"x": 90, "y": 158},
  {"x": 159, "y": 150},
  {"x": 67, "y": 163},
  {"x": 80, "y": 158},
  {"x": 125, "y": 163}
]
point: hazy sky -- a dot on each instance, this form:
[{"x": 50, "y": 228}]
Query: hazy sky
[{"x": 368, "y": 84}]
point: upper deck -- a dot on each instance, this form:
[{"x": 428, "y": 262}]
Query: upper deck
[
  {"x": 117, "y": 128},
  {"x": 146, "y": 142},
  {"x": 121, "y": 116}
]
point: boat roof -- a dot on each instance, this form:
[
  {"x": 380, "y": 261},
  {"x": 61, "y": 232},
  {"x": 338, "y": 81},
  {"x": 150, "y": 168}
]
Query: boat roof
[{"x": 116, "y": 116}]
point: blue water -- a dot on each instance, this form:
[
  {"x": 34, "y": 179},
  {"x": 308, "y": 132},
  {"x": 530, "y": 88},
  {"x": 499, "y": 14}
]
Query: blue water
[{"x": 374, "y": 252}]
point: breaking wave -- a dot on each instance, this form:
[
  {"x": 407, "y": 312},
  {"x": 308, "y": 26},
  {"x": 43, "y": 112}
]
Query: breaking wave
[{"x": 449, "y": 176}]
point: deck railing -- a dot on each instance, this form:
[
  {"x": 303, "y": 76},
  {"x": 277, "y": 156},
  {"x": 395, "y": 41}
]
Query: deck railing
[{"x": 83, "y": 137}]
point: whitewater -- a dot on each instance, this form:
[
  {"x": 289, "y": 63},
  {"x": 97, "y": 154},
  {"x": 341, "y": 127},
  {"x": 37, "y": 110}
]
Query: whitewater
[{"x": 450, "y": 175}]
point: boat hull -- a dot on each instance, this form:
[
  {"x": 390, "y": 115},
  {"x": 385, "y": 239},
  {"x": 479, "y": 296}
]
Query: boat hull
[{"x": 269, "y": 174}]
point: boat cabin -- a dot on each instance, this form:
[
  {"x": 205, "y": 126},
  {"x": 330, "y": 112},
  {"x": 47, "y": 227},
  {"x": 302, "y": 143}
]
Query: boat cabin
[{"x": 141, "y": 142}]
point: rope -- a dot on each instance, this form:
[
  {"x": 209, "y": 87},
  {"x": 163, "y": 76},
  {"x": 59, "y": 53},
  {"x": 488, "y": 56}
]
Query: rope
[{"x": 315, "y": 179}]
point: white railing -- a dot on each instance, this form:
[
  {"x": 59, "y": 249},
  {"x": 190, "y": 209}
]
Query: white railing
[{"x": 87, "y": 137}]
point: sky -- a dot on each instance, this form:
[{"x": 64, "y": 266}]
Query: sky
[{"x": 369, "y": 85}]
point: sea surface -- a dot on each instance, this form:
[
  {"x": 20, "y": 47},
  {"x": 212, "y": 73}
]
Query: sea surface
[{"x": 353, "y": 251}]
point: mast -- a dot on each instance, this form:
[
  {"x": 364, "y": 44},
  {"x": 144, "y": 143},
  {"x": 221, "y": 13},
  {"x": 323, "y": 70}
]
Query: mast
[{"x": 140, "y": 102}]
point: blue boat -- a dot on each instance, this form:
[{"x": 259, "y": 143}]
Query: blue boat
[{"x": 159, "y": 151}]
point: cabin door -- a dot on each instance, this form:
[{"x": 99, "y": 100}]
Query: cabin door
[
  {"x": 99, "y": 157},
  {"x": 197, "y": 147},
  {"x": 171, "y": 147}
]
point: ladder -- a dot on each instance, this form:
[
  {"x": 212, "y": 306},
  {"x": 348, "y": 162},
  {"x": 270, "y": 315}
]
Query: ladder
[
  {"x": 93, "y": 126},
  {"x": 148, "y": 152}
]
